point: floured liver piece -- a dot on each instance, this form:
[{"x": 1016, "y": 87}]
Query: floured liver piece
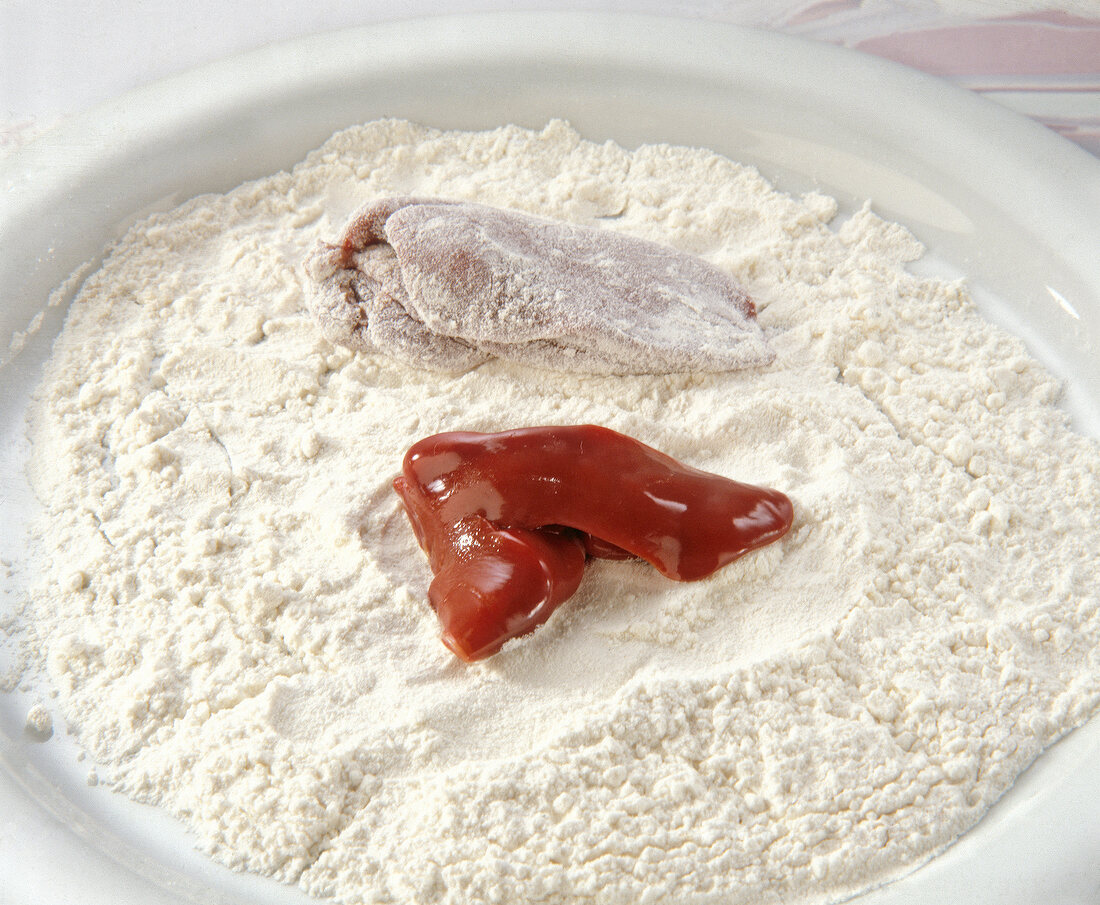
[{"x": 447, "y": 284}]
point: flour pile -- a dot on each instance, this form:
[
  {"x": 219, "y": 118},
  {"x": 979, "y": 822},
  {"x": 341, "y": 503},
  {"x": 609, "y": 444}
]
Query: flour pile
[{"x": 234, "y": 611}]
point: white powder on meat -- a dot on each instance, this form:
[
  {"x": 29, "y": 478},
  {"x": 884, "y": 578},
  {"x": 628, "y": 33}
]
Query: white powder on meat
[
  {"x": 235, "y": 612},
  {"x": 446, "y": 285}
]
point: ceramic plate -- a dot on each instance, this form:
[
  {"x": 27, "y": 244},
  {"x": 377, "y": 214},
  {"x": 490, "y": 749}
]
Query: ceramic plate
[{"x": 995, "y": 197}]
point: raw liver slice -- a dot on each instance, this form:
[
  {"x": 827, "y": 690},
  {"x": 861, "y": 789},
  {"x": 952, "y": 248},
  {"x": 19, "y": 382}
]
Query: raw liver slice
[
  {"x": 445, "y": 284},
  {"x": 507, "y": 520}
]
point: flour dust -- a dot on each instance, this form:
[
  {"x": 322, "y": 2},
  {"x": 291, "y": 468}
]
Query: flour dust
[{"x": 234, "y": 615}]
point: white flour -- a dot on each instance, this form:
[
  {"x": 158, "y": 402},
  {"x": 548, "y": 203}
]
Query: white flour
[{"x": 235, "y": 613}]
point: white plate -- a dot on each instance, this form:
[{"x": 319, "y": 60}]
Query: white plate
[{"x": 994, "y": 196}]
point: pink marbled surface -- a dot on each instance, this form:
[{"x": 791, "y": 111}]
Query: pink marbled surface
[{"x": 1042, "y": 62}]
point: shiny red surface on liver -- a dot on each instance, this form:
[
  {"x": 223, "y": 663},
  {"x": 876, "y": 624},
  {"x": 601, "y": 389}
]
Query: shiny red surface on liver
[{"x": 508, "y": 519}]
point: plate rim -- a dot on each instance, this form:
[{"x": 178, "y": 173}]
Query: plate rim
[{"x": 244, "y": 78}]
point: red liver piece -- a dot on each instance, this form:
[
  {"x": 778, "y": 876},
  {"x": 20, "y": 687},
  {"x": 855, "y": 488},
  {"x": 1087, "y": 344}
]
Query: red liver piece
[{"x": 507, "y": 520}]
